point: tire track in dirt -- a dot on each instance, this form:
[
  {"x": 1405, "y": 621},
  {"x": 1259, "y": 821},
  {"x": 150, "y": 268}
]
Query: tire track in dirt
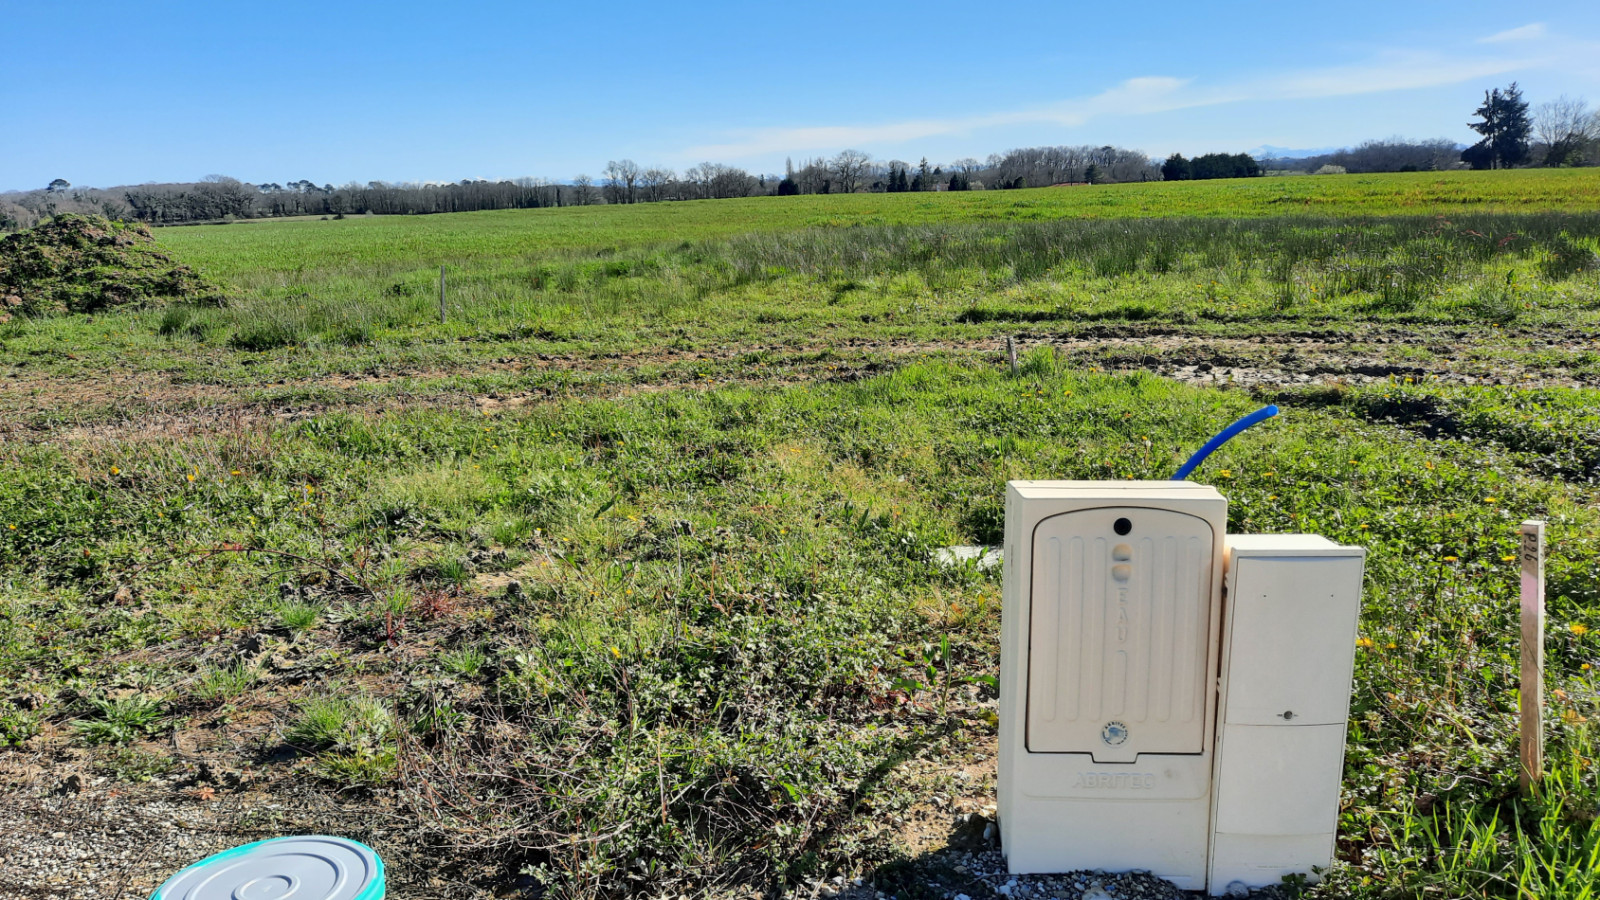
[{"x": 133, "y": 406}]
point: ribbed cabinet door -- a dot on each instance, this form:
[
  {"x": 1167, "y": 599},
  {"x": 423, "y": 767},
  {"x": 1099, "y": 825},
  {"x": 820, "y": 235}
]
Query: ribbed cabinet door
[{"x": 1119, "y": 633}]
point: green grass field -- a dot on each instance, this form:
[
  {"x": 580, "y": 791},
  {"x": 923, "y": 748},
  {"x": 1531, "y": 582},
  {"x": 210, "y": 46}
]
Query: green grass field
[
  {"x": 399, "y": 243},
  {"x": 620, "y": 580}
]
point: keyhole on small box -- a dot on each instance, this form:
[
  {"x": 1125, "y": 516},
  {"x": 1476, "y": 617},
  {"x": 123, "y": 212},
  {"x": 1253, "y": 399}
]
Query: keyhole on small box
[{"x": 1288, "y": 714}]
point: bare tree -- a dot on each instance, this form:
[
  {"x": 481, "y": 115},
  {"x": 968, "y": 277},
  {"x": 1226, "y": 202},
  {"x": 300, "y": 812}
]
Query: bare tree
[
  {"x": 699, "y": 180},
  {"x": 655, "y": 181},
  {"x": 1565, "y": 127},
  {"x": 583, "y": 189},
  {"x": 622, "y": 180},
  {"x": 731, "y": 181},
  {"x": 849, "y": 167}
]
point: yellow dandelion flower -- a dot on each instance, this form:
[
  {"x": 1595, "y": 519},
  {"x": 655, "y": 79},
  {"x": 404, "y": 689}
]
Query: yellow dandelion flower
[
  {"x": 1392, "y": 645},
  {"x": 236, "y": 472},
  {"x": 1578, "y": 629},
  {"x": 1508, "y": 559},
  {"x": 1365, "y": 526},
  {"x": 1584, "y": 667},
  {"x": 615, "y": 652},
  {"x": 1226, "y": 473},
  {"x": 190, "y": 477},
  {"x": 12, "y": 527},
  {"x": 1363, "y": 642},
  {"x": 1490, "y": 500},
  {"x": 1450, "y": 559}
]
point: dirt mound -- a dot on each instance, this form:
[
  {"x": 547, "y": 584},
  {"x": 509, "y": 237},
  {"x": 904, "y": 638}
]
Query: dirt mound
[{"x": 76, "y": 263}]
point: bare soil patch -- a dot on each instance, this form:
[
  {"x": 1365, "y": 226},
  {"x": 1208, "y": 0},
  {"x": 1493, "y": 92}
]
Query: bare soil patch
[{"x": 125, "y": 405}]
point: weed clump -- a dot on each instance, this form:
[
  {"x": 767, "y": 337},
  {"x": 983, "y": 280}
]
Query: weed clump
[
  {"x": 119, "y": 721},
  {"x": 77, "y": 263},
  {"x": 353, "y": 738}
]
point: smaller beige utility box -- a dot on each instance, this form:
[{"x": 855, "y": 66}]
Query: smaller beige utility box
[{"x": 1288, "y": 657}]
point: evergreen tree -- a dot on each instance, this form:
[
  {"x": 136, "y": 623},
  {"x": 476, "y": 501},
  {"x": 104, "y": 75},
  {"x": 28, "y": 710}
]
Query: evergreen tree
[
  {"x": 1092, "y": 174},
  {"x": 1505, "y": 126},
  {"x": 788, "y": 187},
  {"x": 923, "y": 179},
  {"x": 1176, "y": 168}
]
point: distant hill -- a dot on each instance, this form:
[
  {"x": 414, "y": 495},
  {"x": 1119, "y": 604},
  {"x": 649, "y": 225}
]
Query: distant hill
[{"x": 1270, "y": 151}]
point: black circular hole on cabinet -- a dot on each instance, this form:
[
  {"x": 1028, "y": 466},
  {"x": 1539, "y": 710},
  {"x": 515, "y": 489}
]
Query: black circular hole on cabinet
[{"x": 1122, "y": 526}]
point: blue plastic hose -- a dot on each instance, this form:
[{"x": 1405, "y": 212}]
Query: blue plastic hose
[{"x": 1224, "y": 436}]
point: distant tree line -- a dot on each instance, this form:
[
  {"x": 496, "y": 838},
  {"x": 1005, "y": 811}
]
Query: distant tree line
[
  {"x": 1391, "y": 155},
  {"x": 219, "y": 198},
  {"x": 1562, "y": 132}
]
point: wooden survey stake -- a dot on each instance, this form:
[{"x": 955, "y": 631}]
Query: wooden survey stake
[
  {"x": 441, "y": 295},
  {"x": 1532, "y": 692}
]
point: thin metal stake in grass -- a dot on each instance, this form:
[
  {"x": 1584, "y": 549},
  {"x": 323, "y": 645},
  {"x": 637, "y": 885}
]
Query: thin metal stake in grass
[
  {"x": 1532, "y": 693},
  {"x": 1011, "y": 353},
  {"x": 441, "y": 295}
]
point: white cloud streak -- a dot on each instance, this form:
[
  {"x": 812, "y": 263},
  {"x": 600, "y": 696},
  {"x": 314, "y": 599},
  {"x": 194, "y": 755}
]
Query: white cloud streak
[
  {"x": 1391, "y": 70},
  {"x": 1530, "y": 32}
]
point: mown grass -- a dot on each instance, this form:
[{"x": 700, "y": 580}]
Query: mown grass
[{"x": 728, "y": 625}]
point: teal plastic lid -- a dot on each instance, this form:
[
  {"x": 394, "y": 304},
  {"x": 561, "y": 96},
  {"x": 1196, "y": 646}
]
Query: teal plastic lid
[{"x": 286, "y": 868}]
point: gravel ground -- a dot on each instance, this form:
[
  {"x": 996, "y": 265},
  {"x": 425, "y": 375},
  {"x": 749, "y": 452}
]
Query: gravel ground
[
  {"x": 976, "y": 875},
  {"x": 116, "y": 842},
  {"x": 111, "y": 841}
]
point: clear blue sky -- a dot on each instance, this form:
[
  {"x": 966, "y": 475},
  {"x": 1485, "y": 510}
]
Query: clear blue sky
[{"x": 105, "y": 93}]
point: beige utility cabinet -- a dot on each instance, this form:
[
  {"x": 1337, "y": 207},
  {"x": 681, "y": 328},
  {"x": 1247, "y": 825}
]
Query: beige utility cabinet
[
  {"x": 1109, "y": 626},
  {"x": 1148, "y": 721},
  {"x": 1288, "y": 657}
]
